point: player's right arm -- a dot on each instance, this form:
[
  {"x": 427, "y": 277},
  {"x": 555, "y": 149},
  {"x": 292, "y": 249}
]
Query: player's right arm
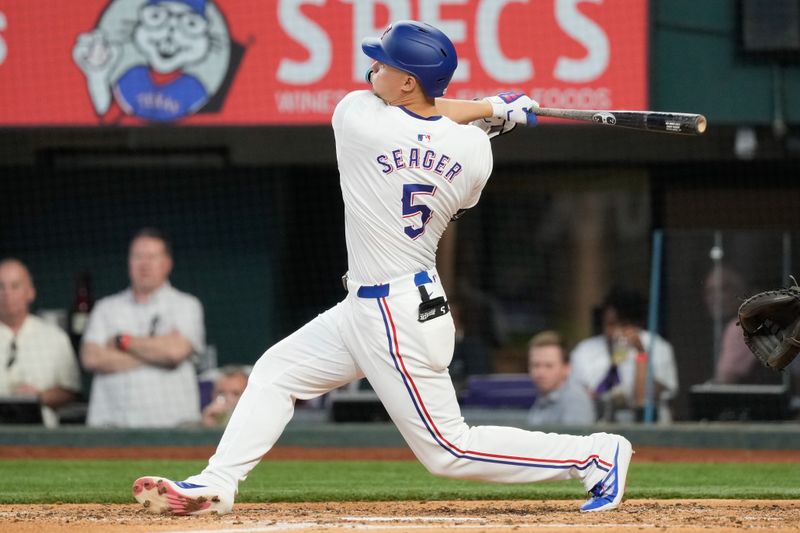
[
  {"x": 513, "y": 107},
  {"x": 464, "y": 111}
]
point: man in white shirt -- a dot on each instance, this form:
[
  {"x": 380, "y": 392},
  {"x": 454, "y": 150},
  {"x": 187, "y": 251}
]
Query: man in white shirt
[
  {"x": 613, "y": 366},
  {"x": 36, "y": 358},
  {"x": 140, "y": 342}
]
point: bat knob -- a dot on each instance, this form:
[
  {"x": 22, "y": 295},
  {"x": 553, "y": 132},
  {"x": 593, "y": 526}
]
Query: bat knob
[{"x": 531, "y": 119}]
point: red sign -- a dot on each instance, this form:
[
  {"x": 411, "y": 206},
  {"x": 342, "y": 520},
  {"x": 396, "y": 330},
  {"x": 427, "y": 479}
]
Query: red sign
[{"x": 290, "y": 61}]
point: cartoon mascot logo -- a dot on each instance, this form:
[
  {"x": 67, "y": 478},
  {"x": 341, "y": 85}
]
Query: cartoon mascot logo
[{"x": 159, "y": 60}]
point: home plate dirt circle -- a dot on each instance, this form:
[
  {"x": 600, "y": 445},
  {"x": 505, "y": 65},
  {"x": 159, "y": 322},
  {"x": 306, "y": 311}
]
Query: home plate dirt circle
[{"x": 419, "y": 517}]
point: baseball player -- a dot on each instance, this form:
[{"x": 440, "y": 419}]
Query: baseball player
[{"x": 409, "y": 162}]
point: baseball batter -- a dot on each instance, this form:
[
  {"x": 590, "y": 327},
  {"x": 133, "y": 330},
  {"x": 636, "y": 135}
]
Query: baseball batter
[{"x": 409, "y": 162}]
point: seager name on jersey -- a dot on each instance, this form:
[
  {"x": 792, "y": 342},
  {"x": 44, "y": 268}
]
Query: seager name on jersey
[{"x": 419, "y": 158}]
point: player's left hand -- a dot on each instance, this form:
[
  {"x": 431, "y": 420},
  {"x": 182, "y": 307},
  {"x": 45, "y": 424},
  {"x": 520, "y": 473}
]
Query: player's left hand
[
  {"x": 494, "y": 126},
  {"x": 514, "y": 107}
]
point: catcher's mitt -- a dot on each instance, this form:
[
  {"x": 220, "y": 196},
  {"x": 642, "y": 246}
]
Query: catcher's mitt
[{"x": 770, "y": 322}]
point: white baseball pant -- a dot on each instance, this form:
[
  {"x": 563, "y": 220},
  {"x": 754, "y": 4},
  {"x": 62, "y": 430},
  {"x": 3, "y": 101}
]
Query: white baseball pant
[{"x": 378, "y": 335}]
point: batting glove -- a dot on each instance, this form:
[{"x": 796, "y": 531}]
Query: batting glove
[
  {"x": 514, "y": 107},
  {"x": 494, "y": 126}
]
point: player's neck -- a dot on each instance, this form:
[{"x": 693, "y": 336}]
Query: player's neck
[
  {"x": 419, "y": 105},
  {"x": 414, "y": 100},
  {"x": 424, "y": 110}
]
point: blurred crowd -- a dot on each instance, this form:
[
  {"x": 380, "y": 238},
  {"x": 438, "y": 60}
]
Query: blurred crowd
[{"x": 141, "y": 347}]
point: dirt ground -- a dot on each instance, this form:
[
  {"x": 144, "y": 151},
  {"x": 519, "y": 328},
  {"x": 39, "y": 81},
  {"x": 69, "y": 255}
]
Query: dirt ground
[{"x": 420, "y": 517}]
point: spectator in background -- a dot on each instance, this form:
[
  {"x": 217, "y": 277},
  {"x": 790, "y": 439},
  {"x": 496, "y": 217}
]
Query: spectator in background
[
  {"x": 228, "y": 388},
  {"x": 559, "y": 399},
  {"x": 613, "y": 366},
  {"x": 36, "y": 358},
  {"x": 472, "y": 354},
  {"x": 723, "y": 292},
  {"x": 139, "y": 343}
]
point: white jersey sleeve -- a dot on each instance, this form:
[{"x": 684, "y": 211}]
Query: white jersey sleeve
[
  {"x": 472, "y": 201},
  {"x": 403, "y": 177}
]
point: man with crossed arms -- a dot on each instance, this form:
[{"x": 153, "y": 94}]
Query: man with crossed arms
[{"x": 139, "y": 343}]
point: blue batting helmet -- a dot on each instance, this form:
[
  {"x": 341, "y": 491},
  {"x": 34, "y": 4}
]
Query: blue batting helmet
[{"x": 416, "y": 48}]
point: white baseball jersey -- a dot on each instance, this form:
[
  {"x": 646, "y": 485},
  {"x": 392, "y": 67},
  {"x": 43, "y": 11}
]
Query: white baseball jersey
[{"x": 403, "y": 177}]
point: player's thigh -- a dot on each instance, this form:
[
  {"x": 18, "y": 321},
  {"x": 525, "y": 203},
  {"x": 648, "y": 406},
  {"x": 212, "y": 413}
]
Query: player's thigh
[
  {"x": 311, "y": 361},
  {"x": 406, "y": 363}
]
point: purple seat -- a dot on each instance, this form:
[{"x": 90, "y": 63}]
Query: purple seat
[{"x": 499, "y": 390}]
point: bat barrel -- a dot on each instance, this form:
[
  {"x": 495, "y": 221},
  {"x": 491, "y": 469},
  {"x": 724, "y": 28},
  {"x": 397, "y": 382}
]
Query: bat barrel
[
  {"x": 684, "y": 123},
  {"x": 681, "y": 123}
]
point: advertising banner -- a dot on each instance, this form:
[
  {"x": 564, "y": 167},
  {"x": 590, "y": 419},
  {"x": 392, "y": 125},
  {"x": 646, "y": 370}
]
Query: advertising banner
[{"x": 261, "y": 62}]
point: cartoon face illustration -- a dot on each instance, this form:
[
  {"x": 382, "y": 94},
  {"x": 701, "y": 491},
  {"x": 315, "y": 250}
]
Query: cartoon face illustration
[
  {"x": 158, "y": 60},
  {"x": 172, "y": 34}
]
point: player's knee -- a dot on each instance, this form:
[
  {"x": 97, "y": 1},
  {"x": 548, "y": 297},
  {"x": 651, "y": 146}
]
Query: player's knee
[
  {"x": 442, "y": 465},
  {"x": 267, "y": 370}
]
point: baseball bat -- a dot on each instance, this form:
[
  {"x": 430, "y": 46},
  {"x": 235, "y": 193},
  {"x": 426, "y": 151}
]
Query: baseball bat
[{"x": 662, "y": 121}]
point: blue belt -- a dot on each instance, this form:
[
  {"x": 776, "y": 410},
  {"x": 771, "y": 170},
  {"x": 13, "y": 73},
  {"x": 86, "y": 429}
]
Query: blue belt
[{"x": 382, "y": 291}]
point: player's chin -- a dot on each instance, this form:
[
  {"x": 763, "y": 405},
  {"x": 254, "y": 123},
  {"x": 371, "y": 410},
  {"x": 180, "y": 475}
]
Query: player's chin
[{"x": 376, "y": 93}]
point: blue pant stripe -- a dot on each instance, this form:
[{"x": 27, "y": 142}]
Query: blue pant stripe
[{"x": 433, "y": 434}]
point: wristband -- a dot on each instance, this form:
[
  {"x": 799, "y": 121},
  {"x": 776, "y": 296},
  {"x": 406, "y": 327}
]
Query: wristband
[
  {"x": 122, "y": 342},
  {"x": 641, "y": 356},
  {"x": 498, "y": 108}
]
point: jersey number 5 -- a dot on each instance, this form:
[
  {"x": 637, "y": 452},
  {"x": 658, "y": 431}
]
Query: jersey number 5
[{"x": 410, "y": 209}]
